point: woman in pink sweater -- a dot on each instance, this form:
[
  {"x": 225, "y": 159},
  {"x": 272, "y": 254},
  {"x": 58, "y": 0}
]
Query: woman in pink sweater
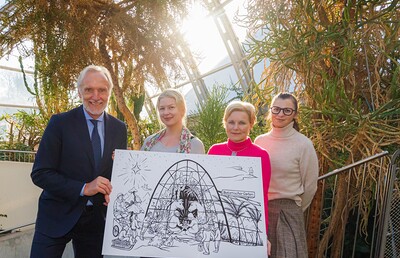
[
  {"x": 294, "y": 178},
  {"x": 239, "y": 119}
]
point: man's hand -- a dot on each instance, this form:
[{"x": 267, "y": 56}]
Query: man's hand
[
  {"x": 98, "y": 185},
  {"x": 107, "y": 198}
]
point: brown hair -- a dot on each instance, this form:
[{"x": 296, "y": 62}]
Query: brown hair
[{"x": 287, "y": 95}]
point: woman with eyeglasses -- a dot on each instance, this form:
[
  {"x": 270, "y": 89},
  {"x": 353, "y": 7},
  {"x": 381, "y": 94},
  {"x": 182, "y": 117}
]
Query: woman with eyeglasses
[{"x": 294, "y": 175}]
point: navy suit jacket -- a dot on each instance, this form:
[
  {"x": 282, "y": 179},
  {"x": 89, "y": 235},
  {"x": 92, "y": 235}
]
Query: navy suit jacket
[{"x": 64, "y": 163}]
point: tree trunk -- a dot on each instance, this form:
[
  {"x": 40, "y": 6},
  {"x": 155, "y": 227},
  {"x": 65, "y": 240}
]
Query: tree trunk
[
  {"x": 314, "y": 218},
  {"x": 336, "y": 221},
  {"x": 128, "y": 115},
  {"x": 11, "y": 135}
]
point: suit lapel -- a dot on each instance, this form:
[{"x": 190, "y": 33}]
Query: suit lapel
[
  {"x": 83, "y": 135},
  {"x": 107, "y": 152}
]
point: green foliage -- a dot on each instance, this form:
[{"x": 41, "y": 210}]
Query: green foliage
[
  {"x": 25, "y": 130},
  {"x": 147, "y": 127},
  {"x": 342, "y": 61},
  {"x": 15, "y": 146},
  {"x": 257, "y": 130},
  {"x": 135, "y": 40},
  {"x": 208, "y": 123},
  {"x": 341, "y": 58}
]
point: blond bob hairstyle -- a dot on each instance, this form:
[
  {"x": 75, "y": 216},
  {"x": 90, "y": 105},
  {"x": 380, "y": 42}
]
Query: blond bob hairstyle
[
  {"x": 242, "y": 106},
  {"x": 95, "y": 68},
  {"x": 179, "y": 99}
]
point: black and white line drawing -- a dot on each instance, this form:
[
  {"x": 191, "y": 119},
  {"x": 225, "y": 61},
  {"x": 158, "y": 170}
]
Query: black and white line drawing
[{"x": 180, "y": 203}]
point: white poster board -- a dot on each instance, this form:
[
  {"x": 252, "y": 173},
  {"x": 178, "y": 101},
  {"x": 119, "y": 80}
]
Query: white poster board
[{"x": 180, "y": 205}]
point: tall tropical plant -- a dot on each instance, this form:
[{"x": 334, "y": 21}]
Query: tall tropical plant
[
  {"x": 342, "y": 59},
  {"x": 208, "y": 119},
  {"x": 133, "y": 39}
]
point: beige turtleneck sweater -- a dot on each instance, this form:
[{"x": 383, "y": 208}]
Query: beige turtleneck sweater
[{"x": 294, "y": 165}]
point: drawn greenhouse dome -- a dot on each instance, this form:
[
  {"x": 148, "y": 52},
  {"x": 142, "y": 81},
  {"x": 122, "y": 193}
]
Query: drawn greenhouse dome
[{"x": 186, "y": 204}]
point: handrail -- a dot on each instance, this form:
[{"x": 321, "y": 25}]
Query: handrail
[
  {"x": 18, "y": 151},
  {"x": 17, "y": 155},
  {"x": 383, "y": 190},
  {"x": 360, "y": 162},
  {"x": 380, "y": 250},
  {"x": 6, "y": 231}
]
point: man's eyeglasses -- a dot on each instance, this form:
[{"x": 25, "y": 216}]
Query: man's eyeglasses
[{"x": 286, "y": 111}]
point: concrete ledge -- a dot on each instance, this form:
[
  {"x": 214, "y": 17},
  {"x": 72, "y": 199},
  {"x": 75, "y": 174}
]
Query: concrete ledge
[{"x": 18, "y": 244}]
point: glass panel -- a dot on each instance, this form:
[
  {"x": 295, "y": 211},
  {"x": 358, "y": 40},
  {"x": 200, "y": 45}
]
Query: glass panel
[
  {"x": 13, "y": 91},
  {"x": 190, "y": 97},
  {"x": 202, "y": 35}
]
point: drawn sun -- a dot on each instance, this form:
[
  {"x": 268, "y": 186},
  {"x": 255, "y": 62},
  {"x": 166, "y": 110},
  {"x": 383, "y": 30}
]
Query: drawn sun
[{"x": 133, "y": 169}]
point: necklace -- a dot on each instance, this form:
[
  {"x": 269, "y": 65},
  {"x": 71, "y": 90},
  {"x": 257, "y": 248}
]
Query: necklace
[{"x": 234, "y": 153}]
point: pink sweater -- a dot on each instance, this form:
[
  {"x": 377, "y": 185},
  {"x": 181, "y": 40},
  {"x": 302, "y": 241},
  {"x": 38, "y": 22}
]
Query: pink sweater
[{"x": 248, "y": 149}]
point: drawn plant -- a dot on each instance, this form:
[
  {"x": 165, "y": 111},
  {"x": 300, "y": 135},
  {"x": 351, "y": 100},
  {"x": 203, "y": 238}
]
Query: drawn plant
[
  {"x": 221, "y": 227},
  {"x": 256, "y": 217},
  {"x": 188, "y": 196},
  {"x": 236, "y": 209}
]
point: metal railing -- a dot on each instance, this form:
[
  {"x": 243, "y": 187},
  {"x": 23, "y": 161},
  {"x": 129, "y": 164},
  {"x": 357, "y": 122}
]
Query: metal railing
[
  {"x": 390, "y": 244},
  {"x": 17, "y": 156},
  {"x": 369, "y": 215}
]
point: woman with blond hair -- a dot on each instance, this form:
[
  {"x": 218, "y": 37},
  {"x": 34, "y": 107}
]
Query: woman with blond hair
[
  {"x": 239, "y": 119},
  {"x": 175, "y": 137}
]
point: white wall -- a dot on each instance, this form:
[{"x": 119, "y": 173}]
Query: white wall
[
  {"x": 18, "y": 195},
  {"x": 18, "y": 200}
]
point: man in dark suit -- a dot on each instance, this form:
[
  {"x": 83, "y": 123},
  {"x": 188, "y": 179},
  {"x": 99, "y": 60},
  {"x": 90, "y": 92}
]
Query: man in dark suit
[{"x": 73, "y": 167}]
